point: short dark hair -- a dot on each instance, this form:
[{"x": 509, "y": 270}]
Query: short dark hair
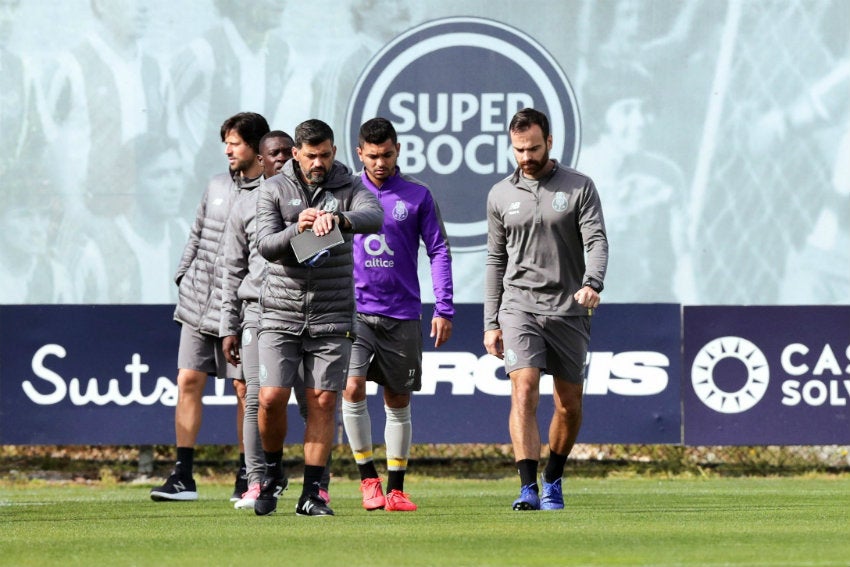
[
  {"x": 277, "y": 134},
  {"x": 250, "y": 126},
  {"x": 377, "y": 131},
  {"x": 528, "y": 117},
  {"x": 313, "y": 132}
]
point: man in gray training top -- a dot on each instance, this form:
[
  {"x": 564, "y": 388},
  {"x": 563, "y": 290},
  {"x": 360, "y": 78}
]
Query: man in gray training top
[{"x": 540, "y": 292}]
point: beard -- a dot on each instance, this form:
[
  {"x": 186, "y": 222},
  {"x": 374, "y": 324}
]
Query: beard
[
  {"x": 533, "y": 168},
  {"x": 241, "y": 166},
  {"x": 316, "y": 176}
]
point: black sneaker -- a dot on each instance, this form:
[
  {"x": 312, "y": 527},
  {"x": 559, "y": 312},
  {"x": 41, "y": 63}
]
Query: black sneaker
[
  {"x": 175, "y": 489},
  {"x": 270, "y": 489},
  {"x": 240, "y": 487},
  {"x": 313, "y": 505}
]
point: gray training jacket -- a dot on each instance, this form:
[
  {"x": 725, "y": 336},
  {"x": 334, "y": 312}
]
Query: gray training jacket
[
  {"x": 536, "y": 244},
  {"x": 200, "y": 275},
  {"x": 297, "y": 298},
  {"x": 243, "y": 264}
]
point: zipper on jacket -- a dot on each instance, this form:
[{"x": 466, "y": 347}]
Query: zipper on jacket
[{"x": 538, "y": 214}]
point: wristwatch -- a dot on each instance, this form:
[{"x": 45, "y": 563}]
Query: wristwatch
[
  {"x": 342, "y": 221},
  {"x": 593, "y": 284}
]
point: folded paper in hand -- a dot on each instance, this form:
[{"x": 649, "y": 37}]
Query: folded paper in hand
[{"x": 306, "y": 245}]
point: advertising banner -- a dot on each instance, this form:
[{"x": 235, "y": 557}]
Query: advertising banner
[
  {"x": 98, "y": 375},
  {"x": 107, "y": 375},
  {"x": 767, "y": 375}
]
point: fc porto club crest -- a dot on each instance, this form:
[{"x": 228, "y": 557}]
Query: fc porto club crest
[
  {"x": 399, "y": 211},
  {"x": 450, "y": 87},
  {"x": 330, "y": 204},
  {"x": 559, "y": 203}
]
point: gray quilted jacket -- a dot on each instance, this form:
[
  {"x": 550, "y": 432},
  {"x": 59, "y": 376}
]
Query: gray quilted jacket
[
  {"x": 245, "y": 268},
  {"x": 200, "y": 275},
  {"x": 297, "y": 298}
]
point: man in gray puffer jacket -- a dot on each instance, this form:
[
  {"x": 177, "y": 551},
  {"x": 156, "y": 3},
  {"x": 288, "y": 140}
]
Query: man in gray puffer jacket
[
  {"x": 200, "y": 278},
  {"x": 307, "y": 310}
]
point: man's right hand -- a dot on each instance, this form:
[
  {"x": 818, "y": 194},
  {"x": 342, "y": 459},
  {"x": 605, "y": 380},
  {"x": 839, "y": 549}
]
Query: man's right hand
[
  {"x": 307, "y": 221},
  {"x": 230, "y": 346},
  {"x": 493, "y": 343}
]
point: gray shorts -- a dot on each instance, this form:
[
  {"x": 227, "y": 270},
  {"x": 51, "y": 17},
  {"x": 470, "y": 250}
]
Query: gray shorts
[
  {"x": 249, "y": 369},
  {"x": 325, "y": 360},
  {"x": 388, "y": 351},
  {"x": 555, "y": 344},
  {"x": 203, "y": 353},
  {"x": 250, "y": 353}
]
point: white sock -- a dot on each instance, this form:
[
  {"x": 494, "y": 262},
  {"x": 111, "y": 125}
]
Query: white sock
[
  {"x": 358, "y": 428},
  {"x": 398, "y": 434}
]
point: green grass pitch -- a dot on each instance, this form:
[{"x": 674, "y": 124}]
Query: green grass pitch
[{"x": 794, "y": 521}]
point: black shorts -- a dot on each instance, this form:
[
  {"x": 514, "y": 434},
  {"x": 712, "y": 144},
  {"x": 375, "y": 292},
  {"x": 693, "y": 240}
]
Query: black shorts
[{"x": 388, "y": 351}]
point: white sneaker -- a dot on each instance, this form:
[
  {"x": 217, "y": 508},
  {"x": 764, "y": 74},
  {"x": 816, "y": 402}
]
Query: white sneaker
[{"x": 248, "y": 498}]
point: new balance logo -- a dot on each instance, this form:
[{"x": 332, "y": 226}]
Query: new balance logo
[
  {"x": 277, "y": 490},
  {"x": 308, "y": 506},
  {"x": 179, "y": 486}
]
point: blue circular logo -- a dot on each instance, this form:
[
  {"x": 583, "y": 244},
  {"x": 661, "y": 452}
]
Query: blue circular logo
[{"x": 450, "y": 87}]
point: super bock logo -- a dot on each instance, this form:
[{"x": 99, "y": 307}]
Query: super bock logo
[{"x": 450, "y": 87}]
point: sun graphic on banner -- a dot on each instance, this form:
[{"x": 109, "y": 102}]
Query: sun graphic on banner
[{"x": 736, "y": 348}]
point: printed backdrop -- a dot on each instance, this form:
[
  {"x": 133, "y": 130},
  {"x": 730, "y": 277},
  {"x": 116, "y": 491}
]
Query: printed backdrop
[{"x": 718, "y": 132}]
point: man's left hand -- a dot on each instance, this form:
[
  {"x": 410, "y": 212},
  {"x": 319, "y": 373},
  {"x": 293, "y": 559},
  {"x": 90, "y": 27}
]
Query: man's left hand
[
  {"x": 587, "y": 297},
  {"x": 441, "y": 330}
]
